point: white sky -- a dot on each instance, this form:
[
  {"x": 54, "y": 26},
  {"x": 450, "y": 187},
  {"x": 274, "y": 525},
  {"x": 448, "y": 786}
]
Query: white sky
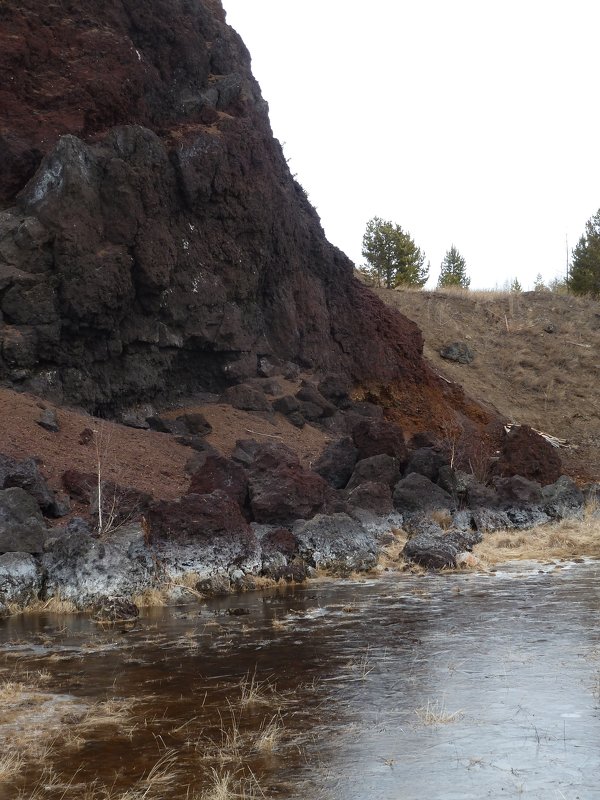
[{"x": 468, "y": 122}]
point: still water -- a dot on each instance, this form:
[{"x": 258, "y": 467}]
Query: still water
[{"x": 446, "y": 687}]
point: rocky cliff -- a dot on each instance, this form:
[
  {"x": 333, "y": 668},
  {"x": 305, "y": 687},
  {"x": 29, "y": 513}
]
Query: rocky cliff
[{"x": 152, "y": 239}]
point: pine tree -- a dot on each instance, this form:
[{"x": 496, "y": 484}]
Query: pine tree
[
  {"x": 515, "y": 286},
  {"x": 393, "y": 259},
  {"x": 584, "y": 274},
  {"x": 453, "y": 270},
  {"x": 539, "y": 285}
]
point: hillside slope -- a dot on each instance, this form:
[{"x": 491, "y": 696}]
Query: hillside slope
[{"x": 537, "y": 359}]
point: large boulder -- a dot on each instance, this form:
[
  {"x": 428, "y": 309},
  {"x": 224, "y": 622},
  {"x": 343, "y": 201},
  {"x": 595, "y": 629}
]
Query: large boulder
[
  {"x": 528, "y": 454},
  {"x": 336, "y": 462},
  {"x": 282, "y": 490},
  {"x": 85, "y": 570},
  {"x": 26, "y": 475},
  {"x": 246, "y": 398},
  {"x": 213, "y": 471},
  {"x": 20, "y": 579},
  {"x": 336, "y": 542},
  {"x": 22, "y": 528},
  {"x": 371, "y": 496},
  {"x": 377, "y": 469},
  {"x": 197, "y": 517},
  {"x": 416, "y": 493},
  {"x": 434, "y": 548},
  {"x": 426, "y": 461},
  {"x": 375, "y": 437},
  {"x": 203, "y": 533},
  {"x": 280, "y": 556},
  {"x": 518, "y": 492},
  {"x": 465, "y": 489},
  {"x": 563, "y": 499}
]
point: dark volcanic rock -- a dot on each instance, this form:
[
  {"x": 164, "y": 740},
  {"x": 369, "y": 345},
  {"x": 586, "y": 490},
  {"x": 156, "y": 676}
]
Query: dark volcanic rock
[
  {"x": 286, "y": 404},
  {"x": 457, "y": 351},
  {"x": 518, "y": 492},
  {"x": 214, "y": 471},
  {"x": 336, "y": 462},
  {"x": 336, "y": 542},
  {"x": 280, "y": 558},
  {"x": 196, "y": 424},
  {"x": 526, "y": 453},
  {"x": 309, "y": 394},
  {"x": 26, "y": 475},
  {"x": 336, "y": 388},
  {"x": 22, "y": 528},
  {"x": 48, "y": 421},
  {"x": 426, "y": 461},
  {"x": 379, "y": 469},
  {"x": 246, "y": 398},
  {"x": 20, "y": 579},
  {"x": 198, "y": 516},
  {"x": 371, "y": 496},
  {"x": 563, "y": 499},
  {"x": 86, "y": 570},
  {"x": 153, "y": 241},
  {"x": 281, "y": 490},
  {"x": 377, "y": 437},
  {"x": 417, "y": 493},
  {"x": 436, "y": 548}
]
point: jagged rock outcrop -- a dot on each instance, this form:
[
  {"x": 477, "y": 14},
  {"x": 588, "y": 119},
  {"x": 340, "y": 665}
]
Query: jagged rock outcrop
[{"x": 152, "y": 239}]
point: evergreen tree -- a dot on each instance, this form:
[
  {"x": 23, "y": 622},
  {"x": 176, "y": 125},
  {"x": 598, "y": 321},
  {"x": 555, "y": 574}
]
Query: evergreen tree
[
  {"x": 453, "y": 270},
  {"x": 515, "y": 286},
  {"x": 539, "y": 285},
  {"x": 584, "y": 276},
  {"x": 393, "y": 259}
]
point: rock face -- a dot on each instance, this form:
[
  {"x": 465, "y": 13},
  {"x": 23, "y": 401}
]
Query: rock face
[
  {"x": 22, "y": 526},
  {"x": 526, "y": 453},
  {"x": 152, "y": 239}
]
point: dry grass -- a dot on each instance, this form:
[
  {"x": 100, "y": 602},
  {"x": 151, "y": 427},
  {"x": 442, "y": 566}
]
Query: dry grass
[
  {"x": 536, "y": 358},
  {"x": 566, "y": 539},
  {"x": 257, "y": 693},
  {"x": 11, "y": 763},
  {"x": 54, "y": 605},
  {"x": 153, "y": 597},
  {"x": 226, "y": 786},
  {"x": 270, "y": 734},
  {"x": 436, "y": 713}
]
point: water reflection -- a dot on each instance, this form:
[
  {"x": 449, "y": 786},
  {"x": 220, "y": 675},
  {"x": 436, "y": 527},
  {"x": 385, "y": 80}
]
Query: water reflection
[{"x": 457, "y": 686}]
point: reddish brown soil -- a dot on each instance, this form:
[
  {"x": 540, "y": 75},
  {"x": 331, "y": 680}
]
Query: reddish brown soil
[{"x": 149, "y": 461}]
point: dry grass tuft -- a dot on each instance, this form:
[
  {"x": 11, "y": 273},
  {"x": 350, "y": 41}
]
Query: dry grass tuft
[
  {"x": 225, "y": 786},
  {"x": 435, "y": 713},
  {"x": 153, "y": 597},
  {"x": 269, "y": 735},
  {"x": 257, "y": 693},
  {"x": 11, "y": 763}
]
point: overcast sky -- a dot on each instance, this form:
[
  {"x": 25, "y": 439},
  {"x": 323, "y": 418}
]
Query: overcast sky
[{"x": 468, "y": 122}]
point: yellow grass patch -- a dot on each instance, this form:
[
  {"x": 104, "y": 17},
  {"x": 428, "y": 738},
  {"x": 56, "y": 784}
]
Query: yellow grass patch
[{"x": 566, "y": 539}]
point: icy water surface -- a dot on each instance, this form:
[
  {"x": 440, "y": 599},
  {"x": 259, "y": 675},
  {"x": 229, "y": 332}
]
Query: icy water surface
[{"x": 453, "y": 687}]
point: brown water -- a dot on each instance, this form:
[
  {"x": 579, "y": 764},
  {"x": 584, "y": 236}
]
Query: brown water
[{"x": 453, "y": 687}]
